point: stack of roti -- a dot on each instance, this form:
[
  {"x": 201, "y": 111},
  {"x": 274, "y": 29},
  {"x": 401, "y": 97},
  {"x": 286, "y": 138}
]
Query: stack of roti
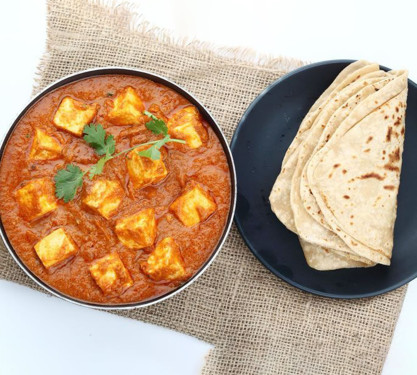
[{"x": 338, "y": 185}]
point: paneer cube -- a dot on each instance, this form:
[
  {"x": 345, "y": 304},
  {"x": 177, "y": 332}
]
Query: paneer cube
[
  {"x": 105, "y": 197},
  {"x": 44, "y": 147},
  {"x": 110, "y": 274},
  {"x": 137, "y": 231},
  {"x": 193, "y": 205},
  {"x": 36, "y": 198},
  {"x": 144, "y": 171},
  {"x": 55, "y": 248},
  {"x": 127, "y": 108},
  {"x": 72, "y": 115},
  {"x": 165, "y": 262},
  {"x": 186, "y": 124}
]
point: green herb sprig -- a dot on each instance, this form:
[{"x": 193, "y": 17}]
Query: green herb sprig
[{"x": 69, "y": 179}]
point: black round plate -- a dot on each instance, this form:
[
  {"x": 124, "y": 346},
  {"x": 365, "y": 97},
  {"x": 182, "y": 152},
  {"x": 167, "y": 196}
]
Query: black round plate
[{"x": 258, "y": 147}]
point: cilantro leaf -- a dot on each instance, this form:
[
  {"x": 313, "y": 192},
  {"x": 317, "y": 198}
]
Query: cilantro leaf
[
  {"x": 156, "y": 125},
  {"x": 153, "y": 151},
  {"x": 97, "y": 138},
  {"x": 67, "y": 182},
  {"x": 97, "y": 168}
]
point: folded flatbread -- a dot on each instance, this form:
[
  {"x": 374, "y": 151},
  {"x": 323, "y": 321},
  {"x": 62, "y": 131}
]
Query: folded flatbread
[
  {"x": 280, "y": 194},
  {"x": 338, "y": 185}
]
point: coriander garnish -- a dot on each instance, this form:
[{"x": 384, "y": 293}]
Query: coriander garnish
[
  {"x": 157, "y": 126},
  {"x": 69, "y": 179},
  {"x": 97, "y": 138}
]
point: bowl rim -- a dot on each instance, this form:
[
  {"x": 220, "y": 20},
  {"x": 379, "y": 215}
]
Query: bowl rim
[{"x": 121, "y": 70}]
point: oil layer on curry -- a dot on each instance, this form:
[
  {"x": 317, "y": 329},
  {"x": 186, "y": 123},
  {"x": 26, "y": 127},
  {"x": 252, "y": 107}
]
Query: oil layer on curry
[{"x": 139, "y": 229}]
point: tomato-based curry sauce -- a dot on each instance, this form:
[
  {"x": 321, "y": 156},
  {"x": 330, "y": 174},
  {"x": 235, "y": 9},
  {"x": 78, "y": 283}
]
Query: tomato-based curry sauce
[{"x": 81, "y": 264}]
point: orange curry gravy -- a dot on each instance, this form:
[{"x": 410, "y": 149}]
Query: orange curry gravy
[{"x": 92, "y": 233}]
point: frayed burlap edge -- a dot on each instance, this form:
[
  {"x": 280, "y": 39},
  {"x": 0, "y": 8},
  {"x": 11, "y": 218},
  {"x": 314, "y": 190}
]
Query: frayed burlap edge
[{"x": 237, "y": 56}]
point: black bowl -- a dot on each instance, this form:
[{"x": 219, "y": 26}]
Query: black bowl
[
  {"x": 258, "y": 146},
  {"x": 206, "y": 115}
]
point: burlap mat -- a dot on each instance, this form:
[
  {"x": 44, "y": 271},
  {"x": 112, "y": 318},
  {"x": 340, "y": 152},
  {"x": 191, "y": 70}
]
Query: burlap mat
[{"x": 258, "y": 324}]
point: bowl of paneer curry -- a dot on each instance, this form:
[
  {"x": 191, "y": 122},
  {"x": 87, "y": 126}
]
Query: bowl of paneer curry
[{"x": 117, "y": 188}]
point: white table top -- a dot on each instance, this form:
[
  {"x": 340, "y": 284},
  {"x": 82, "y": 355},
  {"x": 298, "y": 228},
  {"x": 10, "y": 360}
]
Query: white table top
[{"x": 309, "y": 30}]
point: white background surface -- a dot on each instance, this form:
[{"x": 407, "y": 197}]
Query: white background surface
[
  {"x": 64, "y": 339},
  {"x": 54, "y": 331}
]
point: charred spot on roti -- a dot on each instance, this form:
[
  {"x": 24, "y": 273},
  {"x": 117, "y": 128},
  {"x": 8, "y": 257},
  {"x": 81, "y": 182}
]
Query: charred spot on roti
[
  {"x": 346, "y": 197},
  {"x": 371, "y": 175},
  {"x": 386, "y": 117},
  {"x": 384, "y": 152},
  {"x": 336, "y": 165},
  {"x": 389, "y": 187},
  {"x": 402, "y": 130},
  {"x": 326, "y": 202},
  {"x": 397, "y": 109},
  {"x": 395, "y": 155},
  {"x": 370, "y": 138},
  {"x": 367, "y": 150},
  {"x": 376, "y": 201},
  {"x": 388, "y": 136},
  {"x": 344, "y": 171},
  {"x": 391, "y": 167}
]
